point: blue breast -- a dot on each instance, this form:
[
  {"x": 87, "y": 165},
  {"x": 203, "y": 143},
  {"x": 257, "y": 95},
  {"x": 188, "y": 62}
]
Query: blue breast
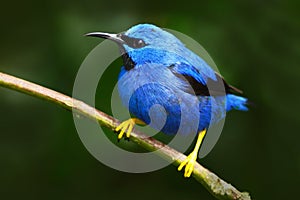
[{"x": 145, "y": 87}]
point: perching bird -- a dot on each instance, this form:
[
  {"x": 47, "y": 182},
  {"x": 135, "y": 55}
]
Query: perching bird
[{"x": 159, "y": 69}]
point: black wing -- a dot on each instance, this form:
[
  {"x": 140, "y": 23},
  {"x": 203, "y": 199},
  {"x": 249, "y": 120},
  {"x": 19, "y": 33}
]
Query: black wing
[{"x": 209, "y": 88}]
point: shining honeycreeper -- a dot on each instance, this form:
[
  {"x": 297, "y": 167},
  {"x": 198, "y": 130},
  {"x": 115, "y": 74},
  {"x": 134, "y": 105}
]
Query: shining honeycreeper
[{"x": 159, "y": 70}]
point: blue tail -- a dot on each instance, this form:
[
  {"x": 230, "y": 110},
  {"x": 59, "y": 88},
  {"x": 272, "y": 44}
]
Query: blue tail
[{"x": 236, "y": 102}]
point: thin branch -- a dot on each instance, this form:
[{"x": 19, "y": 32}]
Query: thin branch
[{"x": 215, "y": 185}]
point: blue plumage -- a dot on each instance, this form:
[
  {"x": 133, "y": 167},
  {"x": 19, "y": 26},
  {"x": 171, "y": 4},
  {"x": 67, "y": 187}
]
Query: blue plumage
[
  {"x": 169, "y": 87},
  {"x": 159, "y": 70},
  {"x": 164, "y": 48},
  {"x": 155, "y": 79}
]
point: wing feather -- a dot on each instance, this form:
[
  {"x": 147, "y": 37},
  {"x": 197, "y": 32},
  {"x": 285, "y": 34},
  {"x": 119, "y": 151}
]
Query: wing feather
[{"x": 199, "y": 85}]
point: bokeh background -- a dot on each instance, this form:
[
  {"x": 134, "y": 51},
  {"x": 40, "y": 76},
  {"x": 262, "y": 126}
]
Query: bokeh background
[{"x": 255, "y": 44}]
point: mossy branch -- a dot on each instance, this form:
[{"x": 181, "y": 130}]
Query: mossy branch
[{"x": 215, "y": 185}]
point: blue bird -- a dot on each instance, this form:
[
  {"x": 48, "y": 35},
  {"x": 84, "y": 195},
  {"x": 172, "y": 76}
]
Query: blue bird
[{"x": 159, "y": 70}]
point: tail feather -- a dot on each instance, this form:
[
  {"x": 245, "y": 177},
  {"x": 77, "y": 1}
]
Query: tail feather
[{"x": 236, "y": 102}]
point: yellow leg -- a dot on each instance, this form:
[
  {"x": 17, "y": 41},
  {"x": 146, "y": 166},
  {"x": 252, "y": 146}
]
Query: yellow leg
[
  {"x": 190, "y": 161},
  {"x": 127, "y": 127}
]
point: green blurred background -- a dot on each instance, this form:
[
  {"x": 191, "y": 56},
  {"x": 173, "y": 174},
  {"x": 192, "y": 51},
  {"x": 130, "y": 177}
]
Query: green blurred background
[{"x": 255, "y": 44}]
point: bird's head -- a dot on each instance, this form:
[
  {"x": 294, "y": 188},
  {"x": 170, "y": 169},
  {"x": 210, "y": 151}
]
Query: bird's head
[{"x": 143, "y": 42}]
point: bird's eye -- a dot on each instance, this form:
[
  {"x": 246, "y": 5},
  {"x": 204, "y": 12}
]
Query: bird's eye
[
  {"x": 135, "y": 43},
  {"x": 138, "y": 43}
]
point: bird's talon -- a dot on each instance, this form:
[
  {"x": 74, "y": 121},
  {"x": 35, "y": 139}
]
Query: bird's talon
[
  {"x": 189, "y": 164},
  {"x": 190, "y": 160},
  {"x": 121, "y": 133},
  {"x": 127, "y": 126}
]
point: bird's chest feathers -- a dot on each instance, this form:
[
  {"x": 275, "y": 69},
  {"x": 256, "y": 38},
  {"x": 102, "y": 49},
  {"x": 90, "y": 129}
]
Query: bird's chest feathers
[
  {"x": 149, "y": 82},
  {"x": 145, "y": 86}
]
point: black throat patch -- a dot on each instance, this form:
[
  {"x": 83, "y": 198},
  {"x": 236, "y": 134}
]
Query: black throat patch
[{"x": 128, "y": 62}]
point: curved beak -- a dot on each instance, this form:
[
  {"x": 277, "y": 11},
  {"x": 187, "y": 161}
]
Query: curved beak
[{"x": 114, "y": 37}]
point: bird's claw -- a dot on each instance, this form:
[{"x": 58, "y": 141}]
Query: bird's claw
[
  {"x": 189, "y": 164},
  {"x": 127, "y": 127}
]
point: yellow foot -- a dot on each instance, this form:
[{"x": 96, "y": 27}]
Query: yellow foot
[
  {"x": 189, "y": 164},
  {"x": 190, "y": 161},
  {"x": 127, "y": 127}
]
